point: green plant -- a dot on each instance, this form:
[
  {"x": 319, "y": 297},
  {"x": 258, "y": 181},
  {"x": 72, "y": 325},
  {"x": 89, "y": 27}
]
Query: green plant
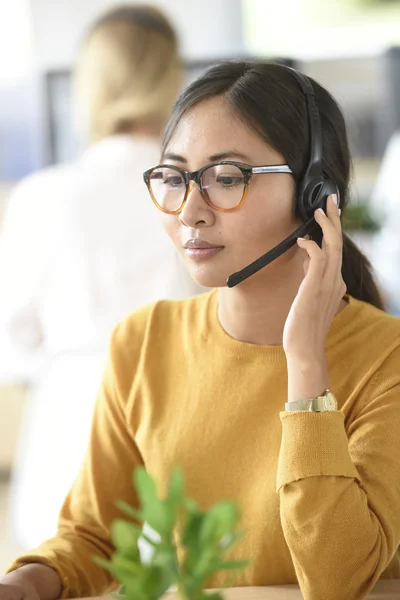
[
  {"x": 191, "y": 547},
  {"x": 357, "y": 216}
]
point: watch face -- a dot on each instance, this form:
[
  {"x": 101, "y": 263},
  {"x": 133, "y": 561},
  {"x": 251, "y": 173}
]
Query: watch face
[
  {"x": 330, "y": 402},
  {"x": 324, "y": 403}
]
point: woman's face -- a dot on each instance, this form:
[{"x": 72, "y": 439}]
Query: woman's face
[{"x": 266, "y": 217}]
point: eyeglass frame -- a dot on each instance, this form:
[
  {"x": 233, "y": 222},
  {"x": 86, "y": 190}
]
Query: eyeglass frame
[{"x": 195, "y": 176}]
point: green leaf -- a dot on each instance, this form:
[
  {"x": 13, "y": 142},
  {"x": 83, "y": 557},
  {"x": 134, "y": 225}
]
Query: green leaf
[
  {"x": 102, "y": 562},
  {"x": 194, "y": 525},
  {"x": 146, "y": 538},
  {"x": 174, "y": 499},
  {"x": 176, "y": 485},
  {"x": 159, "y": 517},
  {"x": 156, "y": 512},
  {"x": 164, "y": 558},
  {"x": 125, "y": 537},
  {"x": 190, "y": 505},
  {"x": 134, "y": 588},
  {"x": 123, "y": 564},
  {"x": 145, "y": 487},
  {"x": 190, "y": 541},
  {"x": 130, "y": 510},
  {"x": 220, "y": 521},
  {"x": 158, "y": 581}
]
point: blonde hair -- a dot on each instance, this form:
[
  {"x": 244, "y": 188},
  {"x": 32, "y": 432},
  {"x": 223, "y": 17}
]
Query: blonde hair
[{"x": 128, "y": 71}]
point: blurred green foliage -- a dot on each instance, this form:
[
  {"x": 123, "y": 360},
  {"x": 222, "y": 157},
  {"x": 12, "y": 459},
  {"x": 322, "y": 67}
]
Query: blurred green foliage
[
  {"x": 200, "y": 540},
  {"x": 357, "y": 216}
]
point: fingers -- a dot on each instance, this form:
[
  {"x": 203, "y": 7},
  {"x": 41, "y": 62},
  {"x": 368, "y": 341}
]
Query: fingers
[
  {"x": 333, "y": 212},
  {"x": 324, "y": 265},
  {"x": 317, "y": 260},
  {"x": 332, "y": 234}
]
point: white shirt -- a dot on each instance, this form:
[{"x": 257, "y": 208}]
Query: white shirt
[
  {"x": 82, "y": 245},
  {"x": 385, "y": 203}
]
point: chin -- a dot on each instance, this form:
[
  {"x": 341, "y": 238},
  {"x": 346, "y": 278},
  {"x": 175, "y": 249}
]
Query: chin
[{"x": 207, "y": 277}]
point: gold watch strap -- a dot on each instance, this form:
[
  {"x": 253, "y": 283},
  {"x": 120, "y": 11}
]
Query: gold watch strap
[{"x": 320, "y": 404}]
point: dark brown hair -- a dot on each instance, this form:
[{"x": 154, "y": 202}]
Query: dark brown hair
[{"x": 269, "y": 100}]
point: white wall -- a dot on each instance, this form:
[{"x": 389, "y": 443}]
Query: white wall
[
  {"x": 206, "y": 28},
  {"x": 315, "y": 29}
]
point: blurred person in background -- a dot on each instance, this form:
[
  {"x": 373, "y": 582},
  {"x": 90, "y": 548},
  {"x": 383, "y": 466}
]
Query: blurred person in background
[
  {"x": 385, "y": 202},
  {"x": 82, "y": 246}
]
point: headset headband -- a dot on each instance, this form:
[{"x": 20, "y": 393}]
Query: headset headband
[{"x": 314, "y": 168}]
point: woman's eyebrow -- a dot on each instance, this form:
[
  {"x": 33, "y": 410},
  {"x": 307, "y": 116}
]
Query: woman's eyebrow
[
  {"x": 172, "y": 156},
  {"x": 211, "y": 158},
  {"x": 227, "y": 155}
]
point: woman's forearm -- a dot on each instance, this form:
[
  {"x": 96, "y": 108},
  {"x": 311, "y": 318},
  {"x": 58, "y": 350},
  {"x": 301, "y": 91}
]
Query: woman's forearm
[{"x": 306, "y": 379}]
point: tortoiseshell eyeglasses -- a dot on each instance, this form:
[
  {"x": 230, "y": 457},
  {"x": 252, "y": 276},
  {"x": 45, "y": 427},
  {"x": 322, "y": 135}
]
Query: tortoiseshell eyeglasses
[{"x": 223, "y": 185}]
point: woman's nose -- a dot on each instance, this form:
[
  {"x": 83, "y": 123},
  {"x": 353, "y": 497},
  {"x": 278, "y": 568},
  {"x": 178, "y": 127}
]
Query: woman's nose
[{"x": 196, "y": 210}]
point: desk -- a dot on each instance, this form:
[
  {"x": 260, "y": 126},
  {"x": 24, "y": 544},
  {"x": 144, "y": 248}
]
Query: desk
[{"x": 384, "y": 590}]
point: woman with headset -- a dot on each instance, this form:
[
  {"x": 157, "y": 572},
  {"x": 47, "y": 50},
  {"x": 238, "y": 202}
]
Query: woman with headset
[{"x": 279, "y": 390}]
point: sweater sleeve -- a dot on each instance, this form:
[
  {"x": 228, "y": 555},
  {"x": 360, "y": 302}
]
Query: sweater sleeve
[
  {"x": 89, "y": 509},
  {"x": 339, "y": 488}
]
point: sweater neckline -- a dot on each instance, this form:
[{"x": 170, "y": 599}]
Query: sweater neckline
[{"x": 217, "y": 336}]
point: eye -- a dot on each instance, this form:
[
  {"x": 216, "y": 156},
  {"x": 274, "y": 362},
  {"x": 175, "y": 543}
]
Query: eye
[
  {"x": 228, "y": 181},
  {"x": 173, "y": 180}
]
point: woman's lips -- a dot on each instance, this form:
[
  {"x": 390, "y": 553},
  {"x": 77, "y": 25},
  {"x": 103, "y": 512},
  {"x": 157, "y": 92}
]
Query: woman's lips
[
  {"x": 198, "y": 254},
  {"x": 199, "y": 250}
]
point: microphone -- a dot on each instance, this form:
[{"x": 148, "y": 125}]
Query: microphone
[{"x": 272, "y": 254}]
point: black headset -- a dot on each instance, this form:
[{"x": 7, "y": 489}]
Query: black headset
[
  {"x": 312, "y": 190},
  {"x": 314, "y": 187}
]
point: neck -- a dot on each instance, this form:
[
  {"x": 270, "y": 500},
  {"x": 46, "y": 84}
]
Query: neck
[
  {"x": 256, "y": 318},
  {"x": 255, "y": 311}
]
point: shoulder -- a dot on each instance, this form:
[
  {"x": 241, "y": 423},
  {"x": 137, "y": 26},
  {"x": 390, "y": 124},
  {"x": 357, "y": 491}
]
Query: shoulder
[
  {"x": 35, "y": 210},
  {"x": 161, "y": 320},
  {"x": 153, "y": 333},
  {"x": 367, "y": 337},
  {"x": 382, "y": 336},
  {"x": 383, "y": 324},
  {"x": 44, "y": 178},
  {"x": 40, "y": 191}
]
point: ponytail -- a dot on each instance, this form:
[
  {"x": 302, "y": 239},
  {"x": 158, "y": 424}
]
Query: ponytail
[{"x": 358, "y": 275}]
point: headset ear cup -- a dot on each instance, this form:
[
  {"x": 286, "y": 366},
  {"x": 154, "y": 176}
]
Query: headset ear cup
[
  {"x": 310, "y": 197},
  {"x": 328, "y": 189},
  {"x": 314, "y": 196}
]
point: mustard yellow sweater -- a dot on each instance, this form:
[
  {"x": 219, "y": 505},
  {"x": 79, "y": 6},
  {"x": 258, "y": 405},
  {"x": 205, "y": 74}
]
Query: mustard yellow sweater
[{"x": 319, "y": 492}]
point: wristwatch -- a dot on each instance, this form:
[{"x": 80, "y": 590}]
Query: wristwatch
[{"x": 320, "y": 404}]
